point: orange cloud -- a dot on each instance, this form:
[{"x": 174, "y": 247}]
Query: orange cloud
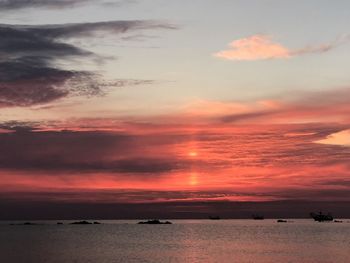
[
  {"x": 339, "y": 138},
  {"x": 261, "y": 47},
  {"x": 255, "y": 47}
]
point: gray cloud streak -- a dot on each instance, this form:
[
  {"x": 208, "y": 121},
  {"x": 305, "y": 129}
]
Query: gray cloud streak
[
  {"x": 19, "y": 4},
  {"x": 29, "y": 73},
  {"x": 11, "y": 5}
]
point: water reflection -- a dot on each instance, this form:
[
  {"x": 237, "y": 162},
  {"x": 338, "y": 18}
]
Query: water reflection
[{"x": 184, "y": 241}]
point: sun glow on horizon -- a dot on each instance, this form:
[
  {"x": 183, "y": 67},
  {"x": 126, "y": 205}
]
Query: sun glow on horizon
[
  {"x": 341, "y": 138},
  {"x": 193, "y": 154},
  {"x": 193, "y": 179}
]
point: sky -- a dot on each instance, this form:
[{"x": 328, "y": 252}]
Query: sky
[{"x": 141, "y": 102}]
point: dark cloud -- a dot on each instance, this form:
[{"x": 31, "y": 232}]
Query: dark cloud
[
  {"x": 19, "y": 4},
  {"x": 9, "y": 5},
  {"x": 315, "y": 106},
  {"x": 245, "y": 116},
  {"x": 29, "y": 70},
  {"x": 74, "y": 30},
  {"x": 29, "y": 150},
  {"x": 23, "y": 83},
  {"x": 339, "y": 182},
  {"x": 13, "y": 126}
]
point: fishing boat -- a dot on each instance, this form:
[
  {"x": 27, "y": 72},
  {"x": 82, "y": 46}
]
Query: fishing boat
[{"x": 320, "y": 217}]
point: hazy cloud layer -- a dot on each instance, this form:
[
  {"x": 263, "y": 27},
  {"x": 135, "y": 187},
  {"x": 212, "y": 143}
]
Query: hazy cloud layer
[
  {"x": 265, "y": 163},
  {"x": 29, "y": 69},
  {"x": 323, "y": 107}
]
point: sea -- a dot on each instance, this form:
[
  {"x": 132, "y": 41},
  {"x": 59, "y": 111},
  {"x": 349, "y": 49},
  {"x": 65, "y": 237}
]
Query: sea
[{"x": 298, "y": 240}]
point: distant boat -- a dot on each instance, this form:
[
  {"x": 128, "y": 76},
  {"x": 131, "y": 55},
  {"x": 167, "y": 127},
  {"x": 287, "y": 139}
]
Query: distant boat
[
  {"x": 320, "y": 217},
  {"x": 281, "y": 221},
  {"x": 258, "y": 217},
  {"x": 214, "y": 217}
]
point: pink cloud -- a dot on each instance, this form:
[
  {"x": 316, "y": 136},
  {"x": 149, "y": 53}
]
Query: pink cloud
[
  {"x": 261, "y": 47},
  {"x": 255, "y": 47}
]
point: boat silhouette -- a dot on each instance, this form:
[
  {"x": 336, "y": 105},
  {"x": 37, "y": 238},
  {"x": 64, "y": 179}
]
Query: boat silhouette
[
  {"x": 281, "y": 221},
  {"x": 258, "y": 217},
  {"x": 320, "y": 217}
]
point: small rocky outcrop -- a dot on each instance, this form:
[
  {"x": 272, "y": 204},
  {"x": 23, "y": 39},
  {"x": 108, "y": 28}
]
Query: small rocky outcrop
[
  {"x": 154, "y": 222},
  {"x": 85, "y": 223}
]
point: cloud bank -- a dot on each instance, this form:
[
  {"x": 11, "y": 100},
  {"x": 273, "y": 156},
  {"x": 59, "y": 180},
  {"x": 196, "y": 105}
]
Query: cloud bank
[
  {"x": 242, "y": 163},
  {"x": 295, "y": 149}
]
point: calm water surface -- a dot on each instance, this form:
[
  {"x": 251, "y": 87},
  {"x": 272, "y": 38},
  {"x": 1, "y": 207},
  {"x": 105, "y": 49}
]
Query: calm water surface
[{"x": 299, "y": 241}]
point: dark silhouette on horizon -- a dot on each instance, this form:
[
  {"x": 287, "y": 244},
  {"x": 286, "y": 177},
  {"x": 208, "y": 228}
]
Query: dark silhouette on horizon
[
  {"x": 320, "y": 217},
  {"x": 214, "y": 217},
  {"x": 154, "y": 222},
  {"x": 258, "y": 217},
  {"x": 85, "y": 223},
  {"x": 48, "y": 210},
  {"x": 281, "y": 221}
]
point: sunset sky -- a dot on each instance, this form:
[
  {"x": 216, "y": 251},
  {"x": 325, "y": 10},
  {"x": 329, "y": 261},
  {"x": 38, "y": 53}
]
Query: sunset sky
[{"x": 155, "y": 101}]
